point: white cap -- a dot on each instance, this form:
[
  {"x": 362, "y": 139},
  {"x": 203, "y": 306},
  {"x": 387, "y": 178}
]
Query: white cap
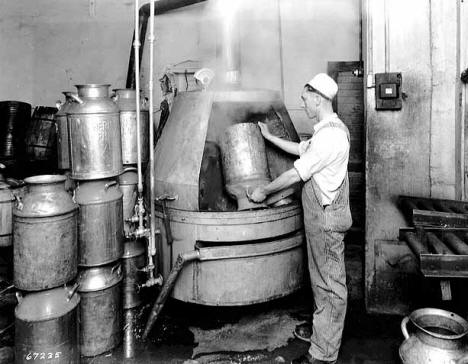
[{"x": 325, "y": 85}]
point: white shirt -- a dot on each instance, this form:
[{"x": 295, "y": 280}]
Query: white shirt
[{"x": 325, "y": 158}]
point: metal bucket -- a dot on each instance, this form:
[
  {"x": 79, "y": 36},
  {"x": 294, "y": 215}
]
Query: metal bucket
[
  {"x": 245, "y": 163},
  {"x": 100, "y": 309},
  {"x": 100, "y": 228},
  {"x": 133, "y": 260},
  {"x": 63, "y": 145},
  {"x": 41, "y": 135},
  {"x": 125, "y": 99},
  {"x": 94, "y": 134},
  {"x": 128, "y": 182},
  {"x": 46, "y": 327},
  {"x": 437, "y": 336},
  {"x": 14, "y": 118},
  {"x": 44, "y": 235}
]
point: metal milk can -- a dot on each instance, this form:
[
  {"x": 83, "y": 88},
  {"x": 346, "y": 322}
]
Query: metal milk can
[
  {"x": 245, "y": 163},
  {"x": 133, "y": 260},
  {"x": 94, "y": 134},
  {"x": 45, "y": 244},
  {"x": 437, "y": 336},
  {"x": 128, "y": 182},
  {"x": 125, "y": 99},
  {"x": 63, "y": 149},
  {"x": 46, "y": 327},
  {"x": 100, "y": 226},
  {"x": 100, "y": 289}
]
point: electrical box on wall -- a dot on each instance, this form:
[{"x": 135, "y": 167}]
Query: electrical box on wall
[{"x": 388, "y": 91}]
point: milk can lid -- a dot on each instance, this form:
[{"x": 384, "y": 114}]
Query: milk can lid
[
  {"x": 47, "y": 305},
  {"x": 99, "y": 278}
]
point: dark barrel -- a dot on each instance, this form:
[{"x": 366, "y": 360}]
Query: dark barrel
[
  {"x": 41, "y": 135},
  {"x": 14, "y": 117}
]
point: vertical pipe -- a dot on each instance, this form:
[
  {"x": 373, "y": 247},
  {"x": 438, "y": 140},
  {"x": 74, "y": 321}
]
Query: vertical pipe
[
  {"x": 387, "y": 37},
  {"x": 136, "y": 46},
  {"x": 152, "y": 247}
]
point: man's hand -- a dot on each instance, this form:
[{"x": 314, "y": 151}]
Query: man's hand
[
  {"x": 257, "y": 195},
  {"x": 264, "y": 129}
]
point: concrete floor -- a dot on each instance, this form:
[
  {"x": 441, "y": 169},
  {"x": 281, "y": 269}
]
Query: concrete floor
[{"x": 367, "y": 339}]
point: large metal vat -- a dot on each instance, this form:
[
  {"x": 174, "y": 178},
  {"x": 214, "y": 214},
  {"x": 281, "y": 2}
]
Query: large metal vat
[
  {"x": 245, "y": 257},
  {"x": 125, "y": 99},
  {"x": 437, "y": 336},
  {"x": 133, "y": 261},
  {"x": 14, "y": 118},
  {"x": 100, "y": 289},
  {"x": 6, "y": 213},
  {"x": 46, "y": 327},
  {"x": 63, "y": 145},
  {"x": 41, "y": 135},
  {"x": 45, "y": 235},
  {"x": 245, "y": 162},
  {"x": 128, "y": 182},
  {"x": 94, "y": 134},
  {"x": 100, "y": 228}
]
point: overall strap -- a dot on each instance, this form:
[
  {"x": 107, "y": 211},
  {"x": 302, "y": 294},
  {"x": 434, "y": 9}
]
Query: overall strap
[{"x": 335, "y": 124}]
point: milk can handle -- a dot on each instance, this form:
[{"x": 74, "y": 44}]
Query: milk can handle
[
  {"x": 107, "y": 185},
  {"x": 404, "y": 329},
  {"x": 19, "y": 203},
  {"x": 462, "y": 360},
  {"x": 76, "y": 98},
  {"x": 72, "y": 291}
]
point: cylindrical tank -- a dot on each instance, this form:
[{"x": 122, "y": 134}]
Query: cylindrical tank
[
  {"x": 100, "y": 228},
  {"x": 63, "y": 148},
  {"x": 133, "y": 260},
  {"x": 128, "y": 182},
  {"x": 245, "y": 163},
  {"x": 46, "y": 327},
  {"x": 14, "y": 118},
  {"x": 44, "y": 235},
  {"x": 6, "y": 214},
  {"x": 125, "y": 99},
  {"x": 94, "y": 134},
  {"x": 41, "y": 135},
  {"x": 100, "y": 309}
]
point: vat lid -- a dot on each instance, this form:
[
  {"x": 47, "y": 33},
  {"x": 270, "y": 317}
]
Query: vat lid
[
  {"x": 133, "y": 249},
  {"x": 47, "y": 305},
  {"x": 99, "y": 278}
]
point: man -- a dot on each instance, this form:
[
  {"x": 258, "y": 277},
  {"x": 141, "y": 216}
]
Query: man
[{"x": 322, "y": 167}]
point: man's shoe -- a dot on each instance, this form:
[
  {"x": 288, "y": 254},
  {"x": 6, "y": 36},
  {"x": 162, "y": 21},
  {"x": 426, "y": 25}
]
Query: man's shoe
[
  {"x": 308, "y": 359},
  {"x": 303, "y": 332}
]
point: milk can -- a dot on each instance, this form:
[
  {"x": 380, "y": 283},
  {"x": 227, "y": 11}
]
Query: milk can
[
  {"x": 63, "y": 151},
  {"x": 133, "y": 260},
  {"x": 245, "y": 163},
  {"x": 46, "y": 327},
  {"x": 44, "y": 235},
  {"x": 437, "y": 336},
  {"x": 94, "y": 134},
  {"x": 125, "y": 99},
  {"x": 100, "y": 289},
  {"x": 128, "y": 182},
  {"x": 100, "y": 227}
]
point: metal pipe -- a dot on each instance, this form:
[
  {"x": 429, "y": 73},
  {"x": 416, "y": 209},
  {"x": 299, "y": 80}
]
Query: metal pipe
[
  {"x": 182, "y": 259},
  {"x": 161, "y": 7},
  {"x": 136, "y": 47},
  {"x": 457, "y": 244},
  {"x": 152, "y": 245}
]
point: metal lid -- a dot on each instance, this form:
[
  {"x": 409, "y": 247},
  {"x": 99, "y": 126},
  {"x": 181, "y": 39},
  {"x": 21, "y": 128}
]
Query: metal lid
[
  {"x": 133, "y": 249},
  {"x": 128, "y": 177},
  {"x": 45, "y": 179},
  {"x": 98, "y": 191},
  {"x": 47, "y": 305},
  {"x": 99, "y": 278}
]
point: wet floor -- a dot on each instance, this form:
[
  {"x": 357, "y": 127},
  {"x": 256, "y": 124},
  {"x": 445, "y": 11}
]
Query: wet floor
[{"x": 193, "y": 334}]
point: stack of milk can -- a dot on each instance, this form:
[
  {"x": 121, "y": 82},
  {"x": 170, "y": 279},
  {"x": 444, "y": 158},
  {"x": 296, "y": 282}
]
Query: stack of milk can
[
  {"x": 95, "y": 163},
  {"x": 134, "y": 256}
]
